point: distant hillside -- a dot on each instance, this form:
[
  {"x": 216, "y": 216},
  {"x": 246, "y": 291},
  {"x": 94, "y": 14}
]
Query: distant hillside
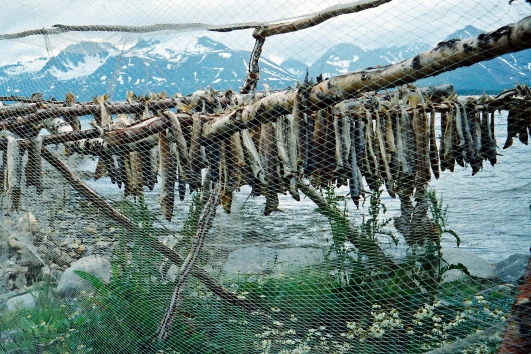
[
  {"x": 90, "y": 68},
  {"x": 187, "y": 63}
]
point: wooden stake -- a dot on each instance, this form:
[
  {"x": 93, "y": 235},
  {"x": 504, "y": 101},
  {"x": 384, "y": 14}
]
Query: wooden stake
[
  {"x": 108, "y": 210},
  {"x": 205, "y": 223}
]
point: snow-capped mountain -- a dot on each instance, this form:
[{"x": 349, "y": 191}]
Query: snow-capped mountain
[
  {"x": 182, "y": 64},
  {"x": 187, "y": 63}
]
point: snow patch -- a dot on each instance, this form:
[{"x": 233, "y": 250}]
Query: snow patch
[
  {"x": 225, "y": 55},
  {"x": 82, "y": 69},
  {"x": 27, "y": 67},
  {"x": 512, "y": 66}
]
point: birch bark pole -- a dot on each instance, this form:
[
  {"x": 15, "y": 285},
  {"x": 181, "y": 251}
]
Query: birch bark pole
[
  {"x": 205, "y": 223},
  {"x": 108, "y": 210},
  {"x": 446, "y": 56}
]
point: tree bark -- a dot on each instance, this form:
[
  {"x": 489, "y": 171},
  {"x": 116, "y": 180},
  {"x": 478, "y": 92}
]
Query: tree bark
[
  {"x": 446, "y": 56},
  {"x": 317, "y": 18},
  {"x": 254, "y": 70}
]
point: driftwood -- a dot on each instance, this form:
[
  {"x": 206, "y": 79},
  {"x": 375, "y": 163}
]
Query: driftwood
[
  {"x": 254, "y": 70},
  {"x": 317, "y": 18},
  {"x": 108, "y": 210},
  {"x": 447, "y": 56},
  {"x": 517, "y": 336},
  {"x": 307, "y": 21},
  {"x": 205, "y": 223}
]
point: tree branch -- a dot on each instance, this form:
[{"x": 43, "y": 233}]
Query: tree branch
[{"x": 317, "y": 18}]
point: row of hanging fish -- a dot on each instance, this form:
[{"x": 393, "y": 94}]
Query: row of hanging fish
[{"x": 389, "y": 139}]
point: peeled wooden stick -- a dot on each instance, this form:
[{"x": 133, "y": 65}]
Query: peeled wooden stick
[
  {"x": 316, "y": 18},
  {"x": 205, "y": 223},
  {"x": 109, "y": 211}
]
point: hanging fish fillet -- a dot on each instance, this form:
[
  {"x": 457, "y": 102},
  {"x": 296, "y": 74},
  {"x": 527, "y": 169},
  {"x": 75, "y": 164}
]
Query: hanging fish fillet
[
  {"x": 346, "y": 142},
  {"x": 137, "y": 183},
  {"x": 385, "y": 172},
  {"x": 13, "y": 174},
  {"x": 168, "y": 176},
  {"x": 251, "y": 155},
  {"x": 291, "y": 142},
  {"x": 181, "y": 179},
  {"x": 280, "y": 141},
  {"x": 355, "y": 178},
  {"x": 33, "y": 166},
  {"x": 492, "y": 138},
  {"x": 269, "y": 156},
  {"x": 475, "y": 132},
  {"x": 373, "y": 161},
  {"x": 226, "y": 190},
  {"x": 403, "y": 167},
  {"x": 447, "y": 140},
  {"x": 434, "y": 153},
  {"x": 469, "y": 143},
  {"x": 418, "y": 122},
  {"x": 103, "y": 117},
  {"x": 149, "y": 174},
  {"x": 339, "y": 167},
  {"x": 196, "y": 160},
  {"x": 317, "y": 159},
  {"x": 297, "y": 122},
  {"x": 182, "y": 151},
  {"x": 237, "y": 161}
]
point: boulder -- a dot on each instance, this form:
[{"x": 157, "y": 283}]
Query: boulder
[
  {"x": 71, "y": 284},
  {"x": 298, "y": 257},
  {"x": 477, "y": 267},
  {"x": 512, "y": 268},
  {"x": 251, "y": 260},
  {"x": 21, "y": 301}
]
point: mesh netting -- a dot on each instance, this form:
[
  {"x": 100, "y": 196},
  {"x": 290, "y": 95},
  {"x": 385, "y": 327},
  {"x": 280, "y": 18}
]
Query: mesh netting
[{"x": 265, "y": 177}]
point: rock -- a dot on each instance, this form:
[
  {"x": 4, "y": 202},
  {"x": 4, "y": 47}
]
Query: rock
[
  {"x": 477, "y": 266},
  {"x": 252, "y": 260},
  {"x": 297, "y": 257},
  {"x": 22, "y": 301},
  {"x": 511, "y": 269},
  {"x": 81, "y": 249},
  {"x": 103, "y": 244},
  {"x": 91, "y": 230},
  {"x": 171, "y": 275},
  {"x": 20, "y": 280},
  {"x": 70, "y": 283}
]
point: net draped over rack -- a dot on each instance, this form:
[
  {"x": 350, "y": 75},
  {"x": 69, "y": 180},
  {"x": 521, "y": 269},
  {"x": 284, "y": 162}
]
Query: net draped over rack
[{"x": 297, "y": 177}]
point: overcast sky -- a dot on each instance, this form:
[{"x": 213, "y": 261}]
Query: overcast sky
[{"x": 399, "y": 22}]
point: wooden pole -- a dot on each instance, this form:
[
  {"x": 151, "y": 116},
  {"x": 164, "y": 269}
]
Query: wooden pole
[
  {"x": 446, "y": 56},
  {"x": 205, "y": 223},
  {"x": 108, "y": 210},
  {"x": 317, "y": 18}
]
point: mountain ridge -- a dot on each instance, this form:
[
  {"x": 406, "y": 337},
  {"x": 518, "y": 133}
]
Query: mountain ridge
[{"x": 188, "y": 63}]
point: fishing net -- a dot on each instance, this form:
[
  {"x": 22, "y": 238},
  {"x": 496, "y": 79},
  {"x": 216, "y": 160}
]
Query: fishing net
[{"x": 265, "y": 177}]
